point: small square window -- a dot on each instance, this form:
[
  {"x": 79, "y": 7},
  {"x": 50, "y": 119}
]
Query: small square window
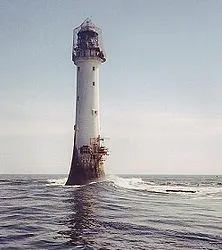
[
  {"x": 94, "y": 68},
  {"x": 94, "y": 84},
  {"x": 94, "y": 112}
]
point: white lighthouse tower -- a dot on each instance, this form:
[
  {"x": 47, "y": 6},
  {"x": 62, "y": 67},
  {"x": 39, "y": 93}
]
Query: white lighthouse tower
[{"x": 88, "y": 152}]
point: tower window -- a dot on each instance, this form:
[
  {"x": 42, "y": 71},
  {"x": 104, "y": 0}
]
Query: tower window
[
  {"x": 78, "y": 68},
  {"x": 94, "y": 112},
  {"x": 94, "y": 68},
  {"x": 94, "y": 84}
]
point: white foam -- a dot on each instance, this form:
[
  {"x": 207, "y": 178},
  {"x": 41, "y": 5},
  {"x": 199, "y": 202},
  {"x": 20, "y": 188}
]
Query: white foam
[
  {"x": 62, "y": 182},
  {"x": 136, "y": 183},
  {"x": 129, "y": 183},
  {"x": 57, "y": 182},
  {"x": 139, "y": 184}
]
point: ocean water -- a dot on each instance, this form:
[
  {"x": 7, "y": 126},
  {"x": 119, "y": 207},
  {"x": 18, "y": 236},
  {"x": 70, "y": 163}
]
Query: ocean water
[{"x": 121, "y": 212}]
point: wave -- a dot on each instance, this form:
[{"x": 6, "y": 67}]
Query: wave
[
  {"x": 56, "y": 182},
  {"x": 154, "y": 186},
  {"x": 62, "y": 182},
  {"x": 128, "y": 183},
  {"x": 169, "y": 187}
]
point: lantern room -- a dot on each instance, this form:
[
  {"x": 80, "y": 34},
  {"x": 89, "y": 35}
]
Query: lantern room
[{"x": 87, "y": 43}]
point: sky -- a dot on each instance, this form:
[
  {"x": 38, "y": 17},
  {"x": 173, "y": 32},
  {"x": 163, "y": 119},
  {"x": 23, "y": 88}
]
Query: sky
[{"x": 160, "y": 89}]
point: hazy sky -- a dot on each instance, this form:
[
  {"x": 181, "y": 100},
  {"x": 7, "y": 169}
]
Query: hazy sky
[{"x": 161, "y": 87}]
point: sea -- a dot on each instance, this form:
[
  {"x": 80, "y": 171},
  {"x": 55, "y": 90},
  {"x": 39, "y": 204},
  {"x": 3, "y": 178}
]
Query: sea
[{"x": 120, "y": 212}]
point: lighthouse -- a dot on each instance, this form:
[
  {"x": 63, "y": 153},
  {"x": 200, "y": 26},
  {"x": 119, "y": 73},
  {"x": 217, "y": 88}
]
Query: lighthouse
[{"x": 88, "y": 151}]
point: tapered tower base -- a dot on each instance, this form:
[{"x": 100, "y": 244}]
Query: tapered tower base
[
  {"x": 87, "y": 165},
  {"x": 80, "y": 174}
]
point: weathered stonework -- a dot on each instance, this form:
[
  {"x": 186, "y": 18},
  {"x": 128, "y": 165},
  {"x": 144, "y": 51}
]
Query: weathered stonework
[{"x": 87, "y": 166}]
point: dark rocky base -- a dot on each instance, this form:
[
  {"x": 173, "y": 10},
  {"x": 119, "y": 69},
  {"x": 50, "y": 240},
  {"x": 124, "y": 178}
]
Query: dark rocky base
[
  {"x": 81, "y": 173},
  {"x": 81, "y": 176}
]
